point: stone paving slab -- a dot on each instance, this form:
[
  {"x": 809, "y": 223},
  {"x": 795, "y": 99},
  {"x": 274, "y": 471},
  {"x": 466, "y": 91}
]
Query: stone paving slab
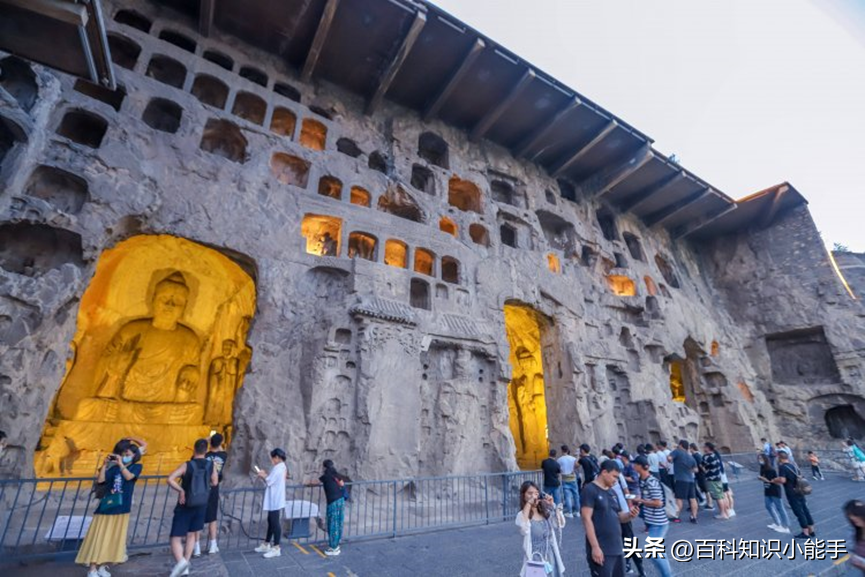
[{"x": 495, "y": 549}]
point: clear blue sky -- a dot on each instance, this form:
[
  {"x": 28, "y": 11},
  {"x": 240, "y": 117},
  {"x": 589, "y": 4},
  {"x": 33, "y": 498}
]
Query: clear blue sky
[{"x": 747, "y": 93}]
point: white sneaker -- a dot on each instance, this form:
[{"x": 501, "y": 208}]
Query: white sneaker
[
  {"x": 577, "y": 515},
  {"x": 332, "y": 552},
  {"x": 197, "y": 551},
  {"x": 103, "y": 571},
  {"x": 263, "y": 548},
  {"x": 274, "y": 552},
  {"x": 213, "y": 549},
  {"x": 784, "y": 530},
  {"x": 185, "y": 572},
  {"x": 179, "y": 568},
  {"x": 731, "y": 513},
  {"x": 92, "y": 574},
  {"x": 569, "y": 515}
]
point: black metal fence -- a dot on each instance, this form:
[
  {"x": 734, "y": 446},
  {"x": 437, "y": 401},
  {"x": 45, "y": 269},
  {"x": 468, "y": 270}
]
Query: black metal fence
[{"x": 47, "y": 517}]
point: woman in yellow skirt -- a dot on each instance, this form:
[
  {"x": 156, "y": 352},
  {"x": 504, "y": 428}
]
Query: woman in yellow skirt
[{"x": 106, "y": 538}]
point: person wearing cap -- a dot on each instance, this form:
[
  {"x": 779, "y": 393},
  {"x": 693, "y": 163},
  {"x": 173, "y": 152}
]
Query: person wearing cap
[
  {"x": 654, "y": 514},
  {"x": 274, "y": 503}
]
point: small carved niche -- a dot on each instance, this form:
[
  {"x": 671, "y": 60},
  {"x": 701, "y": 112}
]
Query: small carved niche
[
  {"x": 250, "y": 107},
  {"x": 424, "y": 262},
  {"x": 224, "y": 138},
  {"x": 219, "y": 59},
  {"x": 253, "y": 75},
  {"x": 289, "y": 169},
  {"x": 348, "y": 147},
  {"x": 423, "y": 179},
  {"x": 360, "y": 196},
  {"x": 162, "y": 114},
  {"x": 362, "y": 245},
  {"x": 433, "y": 149},
  {"x": 167, "y": 70},
  {"x": 450, "y": 270},
  {"x": 83, "y": 127},
  {"x": 133, "y": 19},
  {"x": 330, "y": 186},
  {"x": 479, "y": 234},
  {"x": 287, "y": 90},
  {"x": 419, "y": 294},
  {"x": 210, "y": 90},
  {"x": 31, "y": 249},
  {"x": 19, "y": 80},
  {"x": 124, "y": 52},
  {"x": 464, "y": 195},
  {"x": 322, "y": 234},
  {"x": 313, "y": 134},
  {"x": 448, "y": 226},
  {"x": 181, "y": 41},
  {"x": 63, "y": 190},
  {"x": 396, "y": 253}
]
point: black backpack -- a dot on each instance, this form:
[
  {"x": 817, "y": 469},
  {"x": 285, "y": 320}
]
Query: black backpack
[{"x": 199, "y": 483}]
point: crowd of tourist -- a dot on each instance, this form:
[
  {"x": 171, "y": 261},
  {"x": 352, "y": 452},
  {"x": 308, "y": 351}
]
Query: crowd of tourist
[
  {"x": 611, "y": 491},
  {"x": 608, "y": 492},
  {"x": 196, "y": 483}
]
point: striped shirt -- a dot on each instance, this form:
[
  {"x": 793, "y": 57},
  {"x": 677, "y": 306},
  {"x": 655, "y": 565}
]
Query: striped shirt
[{"x": 651, "y": 490}]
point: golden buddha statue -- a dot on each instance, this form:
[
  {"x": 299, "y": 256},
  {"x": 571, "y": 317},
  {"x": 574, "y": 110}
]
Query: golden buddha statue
[{"x": 161, "y": 334}]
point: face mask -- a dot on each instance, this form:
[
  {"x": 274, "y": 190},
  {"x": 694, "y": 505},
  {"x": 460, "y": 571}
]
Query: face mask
[{"x": 127, "y": 459}]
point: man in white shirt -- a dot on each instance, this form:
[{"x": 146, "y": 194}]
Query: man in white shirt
[
  {"x": 653, "y": 457},
  {"x": 569, "y": 482}
]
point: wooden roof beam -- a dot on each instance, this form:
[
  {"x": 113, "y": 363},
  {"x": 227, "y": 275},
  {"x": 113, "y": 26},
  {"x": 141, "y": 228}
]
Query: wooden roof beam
[
  {"x": 489, "y": 119},
  {"x": 319, "y": 39},
  {"x": 396, "y": 63},
  {"x": 206, "y": 10},
  {"x": 566, "y": 163},
  {"x": 603, "y": 181},
  {"x": 457, "y": 75},
  {"x": 663, "y": 215},
  {"x": 633, "y": 202},
  {"x": 705, "y": 221},
  {"x": 532, "y": 140},
  {"x": 774, "y": 206}
]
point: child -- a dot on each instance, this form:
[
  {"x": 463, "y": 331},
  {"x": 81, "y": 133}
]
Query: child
[{"x": 815, "y": 466}]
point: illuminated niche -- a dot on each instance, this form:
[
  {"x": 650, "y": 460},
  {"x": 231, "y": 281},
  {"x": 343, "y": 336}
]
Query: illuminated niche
[{"x": 159, "y": 353}]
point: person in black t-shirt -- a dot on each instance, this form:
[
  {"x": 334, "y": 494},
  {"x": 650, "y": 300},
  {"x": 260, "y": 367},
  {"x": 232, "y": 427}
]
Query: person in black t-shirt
[
  {"x": 334, "y": 492},
  {"x": 788, "y": 475},
  {"x": 218, "y": 457},
  {"x": 589, "y": 464},
  {"x": 552, "y": 470},
  {"x": 603, "y": 521},
  {"x": 772, "y": 496}
]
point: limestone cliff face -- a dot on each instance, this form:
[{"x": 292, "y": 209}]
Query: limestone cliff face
[{"x": 392, "y": 365}]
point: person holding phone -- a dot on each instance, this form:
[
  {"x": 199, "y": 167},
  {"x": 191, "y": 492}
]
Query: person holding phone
[
  {"x": 274, "y": 503},
  {"x": 540, "y": 522},
  {"x": 334, "y": 492},
  {"x": 105, "y": 541}
]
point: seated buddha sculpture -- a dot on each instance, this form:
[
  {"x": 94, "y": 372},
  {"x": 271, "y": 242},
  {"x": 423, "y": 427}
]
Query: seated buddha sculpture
[{"x": 149, "y": 372}]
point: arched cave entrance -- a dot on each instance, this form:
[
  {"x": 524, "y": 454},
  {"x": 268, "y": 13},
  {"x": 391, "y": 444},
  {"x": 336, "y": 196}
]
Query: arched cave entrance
[
  {"x": 159, "y": 353},
  {"x": 527, "y": 331},
  {"x": 845, "y": 422}
]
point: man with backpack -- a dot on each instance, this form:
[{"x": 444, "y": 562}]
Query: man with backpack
[
  {"x": 589, "y": 463},
  {"x": 795, "y": 488},
  {"x": 192, "y": 481}
]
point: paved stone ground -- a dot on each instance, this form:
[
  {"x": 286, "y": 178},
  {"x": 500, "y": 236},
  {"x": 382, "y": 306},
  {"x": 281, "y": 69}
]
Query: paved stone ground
[{"x": 494, "y": 550}]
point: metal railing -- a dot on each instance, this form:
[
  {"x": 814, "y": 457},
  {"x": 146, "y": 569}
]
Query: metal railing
[
  {"x": 745, "y": 466},
  {"x": 49, "y": 517}
]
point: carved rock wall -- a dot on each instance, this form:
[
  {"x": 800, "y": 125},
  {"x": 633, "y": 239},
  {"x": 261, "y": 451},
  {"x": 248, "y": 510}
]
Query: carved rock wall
[{"x": 388, "y": 370}]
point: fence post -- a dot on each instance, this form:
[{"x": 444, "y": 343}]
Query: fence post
[
  {"x": 504, "y": 496},
  {"x": 486, "y": 499},
  {"x": 394, "y": 509}
]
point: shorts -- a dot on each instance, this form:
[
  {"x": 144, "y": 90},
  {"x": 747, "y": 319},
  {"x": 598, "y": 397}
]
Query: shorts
[
  {"x": 212, "y": 505},
  {"x": 716, "y": 489},
  {"x": 685, "y": 490},
  {"x": 187, "y": 520},
  {"x": 725, "y": 486}
]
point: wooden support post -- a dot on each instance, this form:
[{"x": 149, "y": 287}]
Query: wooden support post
[
  {"x": 390, "y": 73},
  {"x": 319, "y": 40}
]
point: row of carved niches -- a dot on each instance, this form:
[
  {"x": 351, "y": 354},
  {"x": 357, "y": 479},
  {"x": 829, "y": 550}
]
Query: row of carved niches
[{"x": 159, "y": 353}]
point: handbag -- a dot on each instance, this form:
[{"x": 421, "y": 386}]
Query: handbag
[
  {"x": 109, "y": 502},
  {"x": 536, "y": 568}
]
